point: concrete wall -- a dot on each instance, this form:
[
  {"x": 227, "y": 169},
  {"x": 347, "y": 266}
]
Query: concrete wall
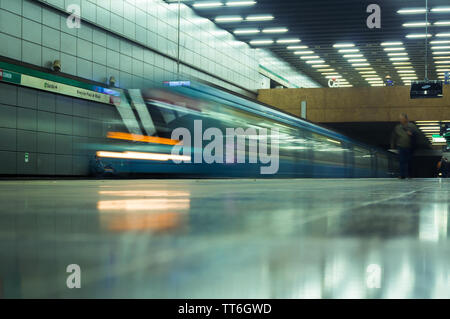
[{"x": 373, "y": 104}]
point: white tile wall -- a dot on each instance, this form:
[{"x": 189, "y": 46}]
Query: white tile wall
[{"x": 38, "y": 35}]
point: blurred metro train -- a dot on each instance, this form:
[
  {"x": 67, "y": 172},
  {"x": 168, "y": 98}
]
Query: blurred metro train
[{"x": 144, "y": 143}]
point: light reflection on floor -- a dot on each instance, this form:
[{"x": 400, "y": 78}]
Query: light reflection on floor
[{"x": 226, "y": 238}]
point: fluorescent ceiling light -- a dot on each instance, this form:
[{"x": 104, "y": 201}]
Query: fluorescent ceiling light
[
  {"x": 261, "y": 42},
  {"x": 442, "y": 47},
  {"x": 363, "y": 69},
  {"x": 406, "y": 71},
  {"x": 348, "y": 50},
  {"x": 289, "y": 41},
  {"x": 441, "y": 57},
  {"x": 326, "y": 70},
  {"x": 353, "y": 56},
  {"x": 440, "y": 42},
  {"x": 361, "y": 64},
  {"x": 443, "y": 35},
  {"x": 343, "y": 45},
  {"x": 412, "y": 11},
  {"x": 333, "y": 76},
  {"x": 399, "y": 59},
  {"x": 357, "y": 60},
  {"x": 259, "y": 17},
  {"x": 320, "y": 66},
  {"x": 397, "y": 54},
  {"x": 369, "y": 75},
  {"x": 373, "y": 79},
  {"x": 240, "y": 3},
  {"x": 394, "y": 49},
  {"x": 229, "y": 19},
  {"x": 207, "y": 4},
  {"x": 442, "y": 62},
  {"x": 330, "y": 73},
  {"x": 409, "y": 77},
  {"x": 315, "y": 61},
  {"x": 401, "y": 63},
  {"x": 275, "y": 30},
  {"x": 246, "y": 31},
  {"x": 441, "y": 9},
  {"x": 297, "y": 47},
  {"x": 404, "y": 67},
  {"x": 303, "y": 52},
  {"x": 391, "y": 43},
  {"x": 441, "y": 52},
  {"x": 415, "y": 24},
  {"x": 309, "y": 57},
  {"x": 367, "y": 72},
  {"x": 442, "y": 23},
  {"x": 417, "y": 35}
]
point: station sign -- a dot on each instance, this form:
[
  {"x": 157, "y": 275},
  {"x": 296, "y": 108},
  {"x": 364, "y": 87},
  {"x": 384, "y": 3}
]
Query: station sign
[{"x": 95, "y": 93}]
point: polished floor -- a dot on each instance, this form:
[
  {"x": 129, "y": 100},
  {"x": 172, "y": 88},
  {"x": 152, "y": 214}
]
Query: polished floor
[{"x": 305, "y": 238}]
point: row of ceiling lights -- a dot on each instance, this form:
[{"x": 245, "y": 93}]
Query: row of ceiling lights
[{"x": 432, "y": 129}]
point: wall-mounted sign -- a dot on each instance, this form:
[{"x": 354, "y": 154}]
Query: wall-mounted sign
[{"x": 88, "y": 92}]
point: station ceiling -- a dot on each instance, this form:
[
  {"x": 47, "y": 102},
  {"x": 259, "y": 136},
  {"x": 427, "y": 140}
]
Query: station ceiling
[{"x": 331, "y": 38}]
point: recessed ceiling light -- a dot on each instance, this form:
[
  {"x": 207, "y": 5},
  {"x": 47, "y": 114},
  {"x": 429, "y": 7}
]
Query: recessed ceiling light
[
  {"x": 401, "y": 63},
  {"x": 261, "y": 42},
  {"x": 399, "y": 59},
  {"x": 325, "y": 70},
  {"x": 246, "y": 31},
  {"x": 363, "y": 69},
  {"x": 406, "y": 71},
  {"x": 373, "y": 79},
  {"x": 391, "y": 43},
  {"x": 315, "y": 61},
  {"x": 412, "y": 11},
  {"x": 418, "y": 35},
  {"x": 443, "y": 35},
  {"x": 415, "y": 24},
  {"x": 441, "y": 57},
  {"x": 289, "y": 41},
  {"x": 297, "y": 47},
  {"x": 368, "y": 75},
  {"x": 320, "y": 66},
  {"x": 443, "y": 70},
  {"x": 207, "y": 4},
  {"x": 240, "y": 3},
  {"x": 330, "y": 73},
  {"x": 334, "y": 76},
  {"x": 259, "y": 17},
  {"x": 367, "y": 72},
  {"x": 228, "y": 19},
  {"x": 348, "y": 50},
  {"x": 394, "y": 49},
  {"x": 442, "y": 62},
  {"x": 275, "y": 30},
  {"x": 360, "y": 64},
  {"x": 357, "y": 60},
  {"x": 303, "y": 52},
  {"x": 409, "y": 77},
  {"x": 404, "y": 67}
]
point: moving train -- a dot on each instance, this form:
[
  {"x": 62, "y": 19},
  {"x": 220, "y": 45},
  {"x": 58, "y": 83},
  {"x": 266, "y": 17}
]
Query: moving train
[{"x": 190, "y": 129}]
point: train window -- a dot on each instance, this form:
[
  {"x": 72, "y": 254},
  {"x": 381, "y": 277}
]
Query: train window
[{"x": 327, "y": 150}]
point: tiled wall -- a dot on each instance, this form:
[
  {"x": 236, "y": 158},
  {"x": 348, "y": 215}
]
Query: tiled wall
[
  {"x": 53, "y": 130},
  {"x": 117, "y": 43}
]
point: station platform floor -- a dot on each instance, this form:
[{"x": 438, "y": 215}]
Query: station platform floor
[{"x": 293, "y": 238}]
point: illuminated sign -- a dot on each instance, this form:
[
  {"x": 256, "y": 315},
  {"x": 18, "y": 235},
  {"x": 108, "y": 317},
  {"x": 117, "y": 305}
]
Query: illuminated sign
[{"x": 177, "y": 83}]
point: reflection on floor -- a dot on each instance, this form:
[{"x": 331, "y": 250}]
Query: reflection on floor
[{"x": 305, "y": 238}]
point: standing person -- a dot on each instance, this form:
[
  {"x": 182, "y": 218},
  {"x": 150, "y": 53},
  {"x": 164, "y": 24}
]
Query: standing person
[{"x": 404, "y": 139}]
